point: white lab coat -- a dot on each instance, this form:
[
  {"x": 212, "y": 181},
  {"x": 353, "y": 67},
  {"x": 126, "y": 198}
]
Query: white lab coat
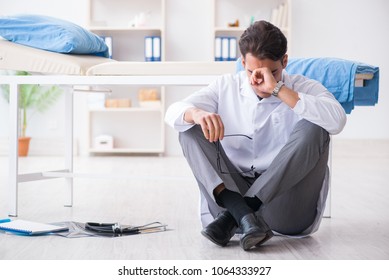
[{"x": 268, "y": 121}]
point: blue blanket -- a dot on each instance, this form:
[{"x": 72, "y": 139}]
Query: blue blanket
[
  {"x": 368, "y": 94},
  {"x": 338, "y": 76}
]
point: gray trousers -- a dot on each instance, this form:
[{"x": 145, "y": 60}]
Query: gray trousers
[{"x": 289, "y": 189}]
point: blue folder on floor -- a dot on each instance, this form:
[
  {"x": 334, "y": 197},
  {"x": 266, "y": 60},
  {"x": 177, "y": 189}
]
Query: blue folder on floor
[{"x": 338, "y": 76}]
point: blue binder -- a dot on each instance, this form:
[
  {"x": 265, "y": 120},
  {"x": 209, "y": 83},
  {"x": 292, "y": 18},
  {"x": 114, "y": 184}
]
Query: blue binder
[
  {"x": 226, "y": 48},
  {"x": 148, "y": 48},
  {"x": 152, "y": 48},
  {"x": 218, "y": 48},
  {"x": 156, "y": 48}
]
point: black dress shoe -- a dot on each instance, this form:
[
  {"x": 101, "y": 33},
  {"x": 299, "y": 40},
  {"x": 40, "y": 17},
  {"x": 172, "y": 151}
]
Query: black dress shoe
[
  {"x": 254, "y": 231},
  {"x": 221, "y": 229}
]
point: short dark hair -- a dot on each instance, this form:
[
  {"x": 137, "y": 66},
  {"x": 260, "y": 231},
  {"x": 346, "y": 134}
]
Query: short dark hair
[{"x": 263, "y": 40}]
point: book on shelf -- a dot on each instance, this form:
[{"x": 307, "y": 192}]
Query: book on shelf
[
  {"x": 24, "y": 227},
  {"x": 279, "y": 16}
]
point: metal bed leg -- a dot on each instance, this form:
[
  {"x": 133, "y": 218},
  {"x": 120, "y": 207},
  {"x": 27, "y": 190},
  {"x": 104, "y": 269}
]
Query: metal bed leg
[
  {"x": 69, "y": 146},
  {"x": 13, "y": 152}
]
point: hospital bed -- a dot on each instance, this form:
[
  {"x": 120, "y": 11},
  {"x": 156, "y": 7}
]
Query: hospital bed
[{"x": 84, "y": 70}]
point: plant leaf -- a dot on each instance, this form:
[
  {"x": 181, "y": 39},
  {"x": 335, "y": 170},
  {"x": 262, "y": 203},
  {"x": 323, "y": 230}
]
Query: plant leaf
[
  {"x": 46, "y": 97},
  {"x": 35, "y": 97}
]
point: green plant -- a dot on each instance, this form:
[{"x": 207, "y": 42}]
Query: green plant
[{"x": 35, "y": 98}]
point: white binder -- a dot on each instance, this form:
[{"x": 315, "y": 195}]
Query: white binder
[
  {"x": 148, "y": 48},
  {"x": 156, "y": 48},
  {"x": 225, "y": 48},
  {"x": 218, "y": 48},
  {"x": 232, "y": 49}
]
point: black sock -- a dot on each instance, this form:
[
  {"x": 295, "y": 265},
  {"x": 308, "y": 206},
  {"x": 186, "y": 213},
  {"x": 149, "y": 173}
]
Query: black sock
[
  {"x": 253, "y": 202},
  {"x": 234, "y": 203}
]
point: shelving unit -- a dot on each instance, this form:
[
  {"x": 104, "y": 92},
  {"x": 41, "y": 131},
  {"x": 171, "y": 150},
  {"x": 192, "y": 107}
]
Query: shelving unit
[
  {"x": 228, "y": 11},
  {"x": 133, "y": 21},
  {"x": 142, "y": 130},
  {"x": 135, "y": 129}
]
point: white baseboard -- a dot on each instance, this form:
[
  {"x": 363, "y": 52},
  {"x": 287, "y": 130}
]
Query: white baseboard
[{"x": 41, "y": 147}]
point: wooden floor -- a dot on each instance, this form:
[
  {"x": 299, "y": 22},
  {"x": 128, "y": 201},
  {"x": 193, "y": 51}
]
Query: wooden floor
[{"x": 162, "y": 189}]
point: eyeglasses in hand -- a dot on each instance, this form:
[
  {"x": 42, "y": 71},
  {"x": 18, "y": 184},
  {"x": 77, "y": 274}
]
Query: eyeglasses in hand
[{"x": 218, "y": 156}]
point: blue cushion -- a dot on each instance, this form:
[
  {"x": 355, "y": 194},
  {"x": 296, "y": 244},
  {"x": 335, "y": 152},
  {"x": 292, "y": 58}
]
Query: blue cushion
[{"x": 51, "y": 34}]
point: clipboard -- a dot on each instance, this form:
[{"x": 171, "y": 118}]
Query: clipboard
[{"x": 24, "y": 227}]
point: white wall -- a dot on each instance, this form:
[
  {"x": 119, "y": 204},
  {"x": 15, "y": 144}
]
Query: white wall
[
  {"x": 186, "y": 42},
  {"x": 72, "y": 10},
  {"x": 350, "y": 29}
]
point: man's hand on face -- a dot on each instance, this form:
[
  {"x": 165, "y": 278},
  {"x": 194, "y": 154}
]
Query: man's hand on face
[{"x": 263, "y": 82}]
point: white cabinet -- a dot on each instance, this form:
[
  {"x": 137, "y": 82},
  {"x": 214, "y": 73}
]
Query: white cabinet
[
  {"x": 127, "y": 24},
  {"x": 244, "y": 12}
]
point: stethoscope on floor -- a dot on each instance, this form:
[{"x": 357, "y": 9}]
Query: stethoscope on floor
[{"x": 115, "y": 229}]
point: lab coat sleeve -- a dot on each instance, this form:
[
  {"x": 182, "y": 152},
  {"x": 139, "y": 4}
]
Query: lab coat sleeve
[
  {"x": 175, "y": 116},
  {"x": 320, "y": 107},
  {"x": 205, "y": 99}
]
